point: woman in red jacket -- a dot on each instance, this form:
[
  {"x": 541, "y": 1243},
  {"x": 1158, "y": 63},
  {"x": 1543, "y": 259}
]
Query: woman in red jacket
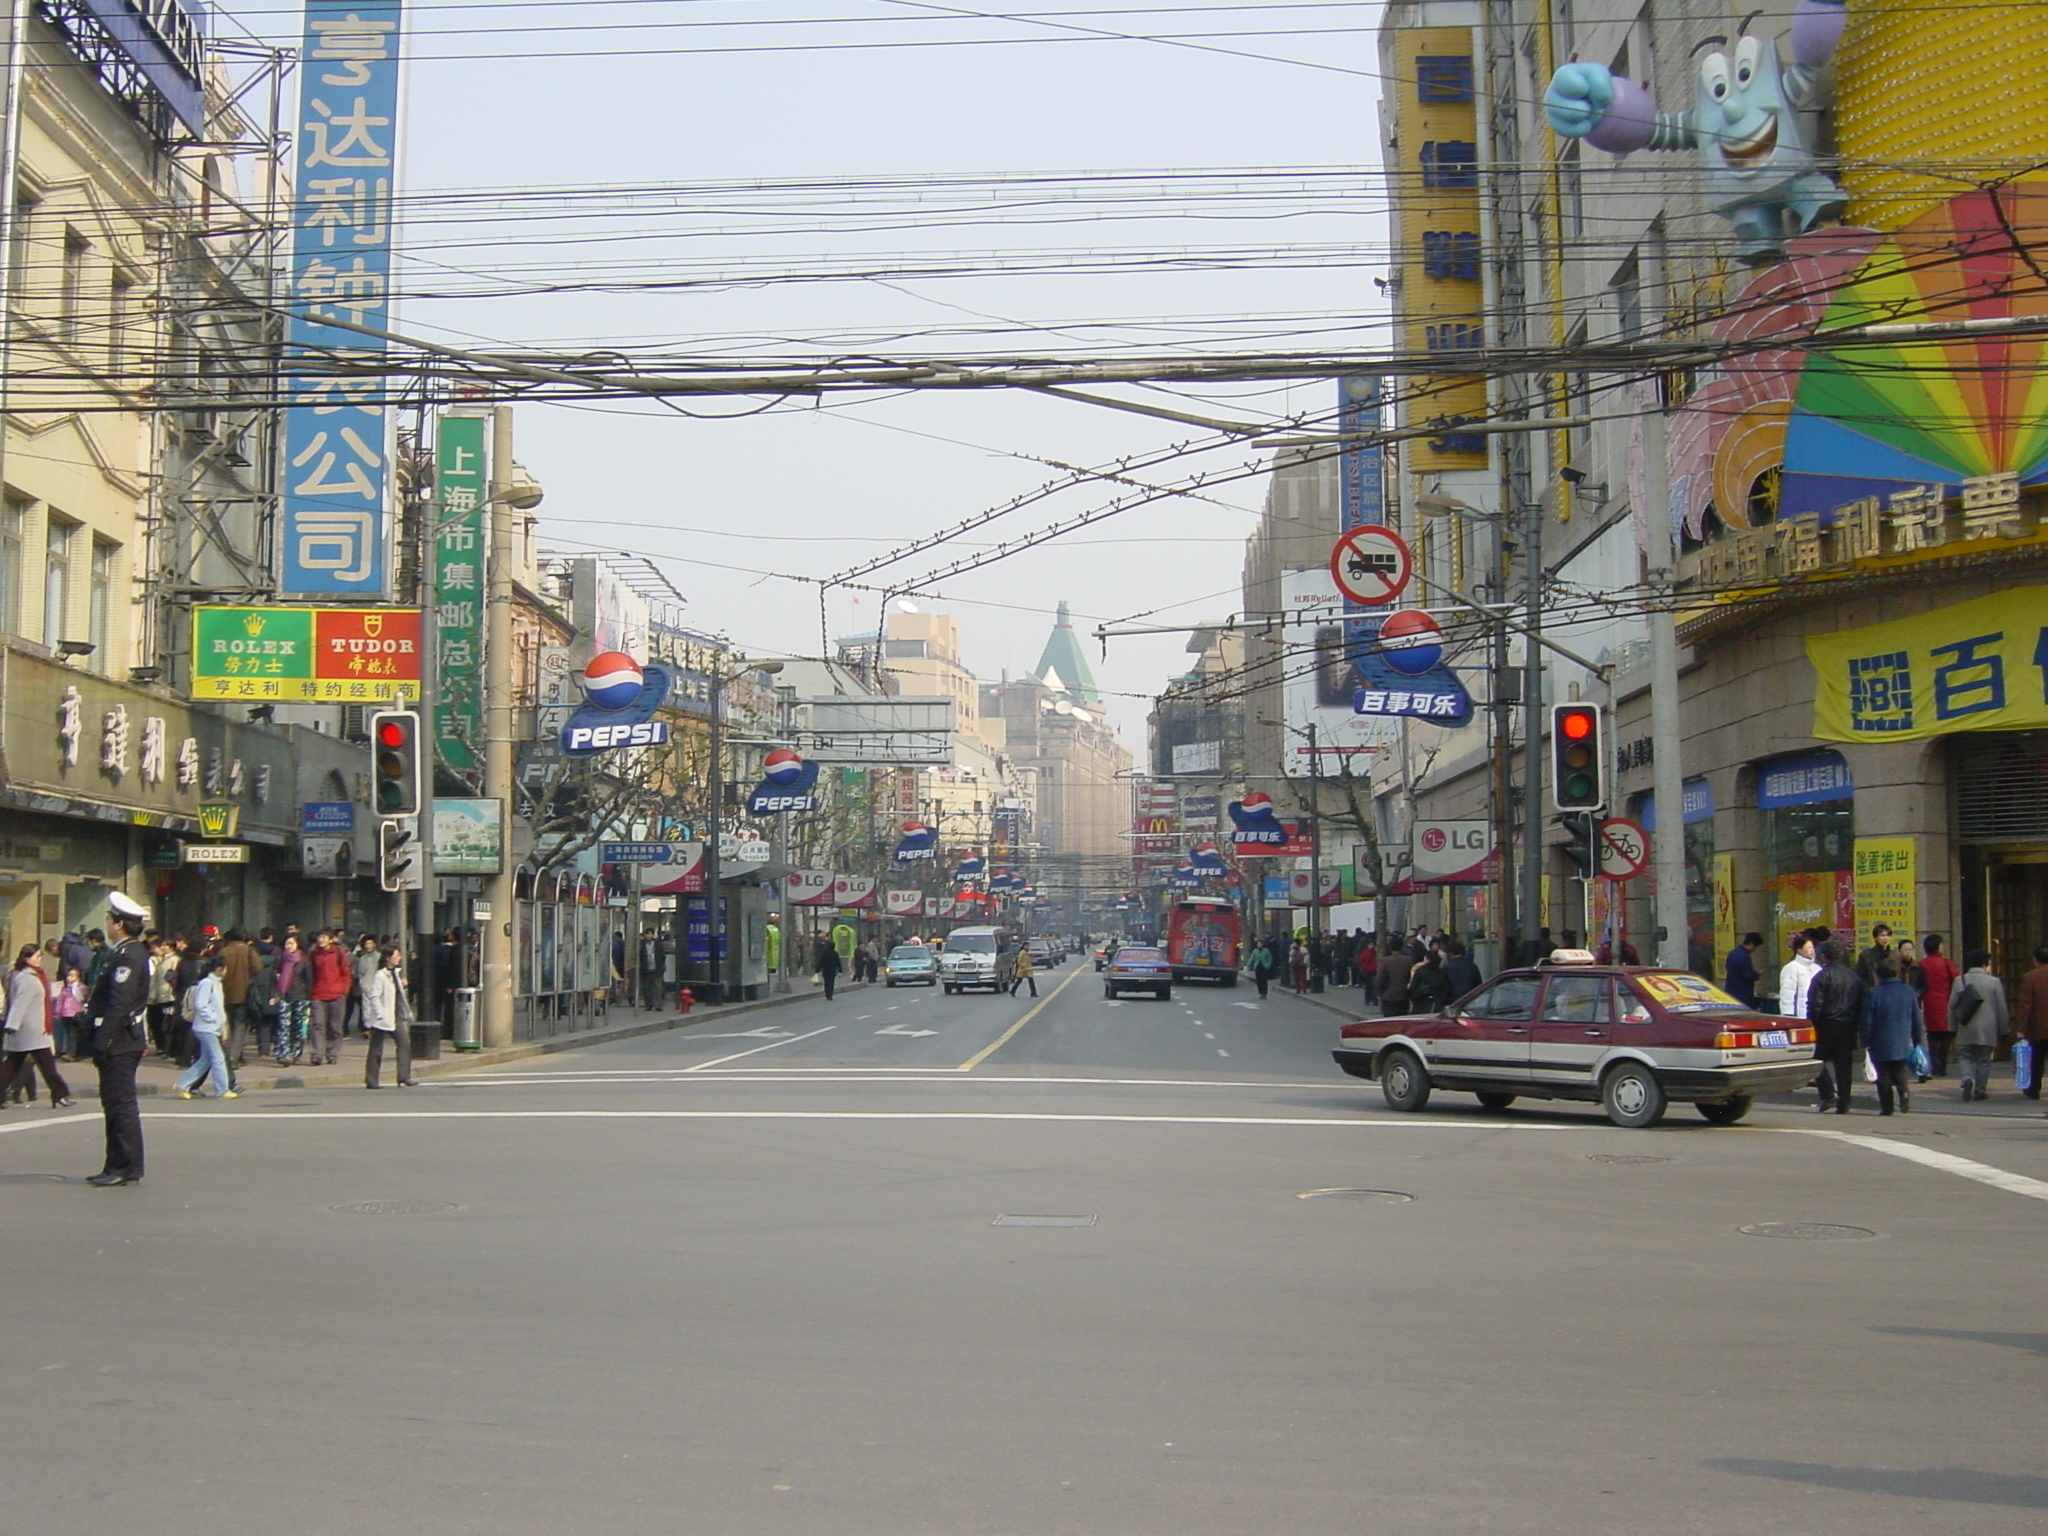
[
  {"x": 1935, "y": 978},
  {"x": 333, "y": 980}
]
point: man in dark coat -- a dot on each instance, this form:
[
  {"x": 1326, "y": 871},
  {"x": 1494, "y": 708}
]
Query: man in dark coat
[
  {"x": 1394, "y": 968},
  {"x": 118, "y": 1036},
  {"x": 1742, "y": 969},
  {"x": 1834, "y": 1006},
  {"x": 1460, "y": 969},
  {"x": 829, "y": 966}
]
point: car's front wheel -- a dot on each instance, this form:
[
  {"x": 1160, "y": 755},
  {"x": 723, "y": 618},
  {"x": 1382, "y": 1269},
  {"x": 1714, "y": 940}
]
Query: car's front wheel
[
  {"x": 1404, "y": 1081},
  {"x": 1632, "y": 1096},
  {"x": 1727, "y": 1112}
]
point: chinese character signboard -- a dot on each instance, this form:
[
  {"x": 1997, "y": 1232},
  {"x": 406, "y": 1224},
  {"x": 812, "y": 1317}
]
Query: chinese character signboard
[
  {"x": 461, "y": 482},
  {"x": 336, "y": 453},
  {"x": 1884, "y": 877},
  {"x": 306, "y": 655},
  {"x": 1976, "y": 666}
]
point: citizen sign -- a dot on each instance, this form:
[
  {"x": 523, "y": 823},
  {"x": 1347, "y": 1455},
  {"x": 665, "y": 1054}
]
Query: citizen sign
[{"x": 598, "y": 738}]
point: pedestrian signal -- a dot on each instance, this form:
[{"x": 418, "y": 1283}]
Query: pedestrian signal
[
  {"x": 397, "y": 768},
  {"x": 398, "y": 857},
  {"x": 1578, "y": 758}
]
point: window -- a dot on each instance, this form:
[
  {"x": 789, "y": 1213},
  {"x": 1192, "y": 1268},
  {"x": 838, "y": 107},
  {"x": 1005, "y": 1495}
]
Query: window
[
  {"x": 14, "y": 511},
  {"x": 20, "y": 253},
  {"x": 1577, "y": 1000},
  {"x": 904, "y": 649},
  {"x": 100, "y": 605},
  {"x": 71, "y": 296},
  {"x": 120, "y": 307},
  {"x": 57, "y": 581},
  {"x": 1512, "y": 997}
]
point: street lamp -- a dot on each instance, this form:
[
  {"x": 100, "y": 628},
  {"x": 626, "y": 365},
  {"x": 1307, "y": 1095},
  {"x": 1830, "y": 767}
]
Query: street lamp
[{"x": 714, "y": 897}]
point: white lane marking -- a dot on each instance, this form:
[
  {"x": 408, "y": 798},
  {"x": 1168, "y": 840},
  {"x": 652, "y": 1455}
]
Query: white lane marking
[
  {"x": 1219, "y": 1050},
  {"x": 1244, "y": 1005},
  {"x": 1947, "y": 1162},
  {"x": 862, "y": 1018},
  {"x": 898, "y": 1029},
  {"x": 765, "y": 1032},
  {"x": 239, "y": 1116},
  {"x": 36, "y": 1125},
  {"x": 890, "y": 1009},
  {"x": 839, "y": 1074},
  {"x": 1207, "y": 1036},
  {"x": 771, "y": 1045}
]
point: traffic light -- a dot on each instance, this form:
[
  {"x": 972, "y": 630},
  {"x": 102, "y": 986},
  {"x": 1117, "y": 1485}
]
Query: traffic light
[
  {"x": 398, "y": 857},
  {"x": 397, "y": 766},
  {"x": 1578, "y": 758}
]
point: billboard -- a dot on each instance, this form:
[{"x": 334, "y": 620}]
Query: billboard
[
  {"x": 1198, "y": 757},
  {"x": 468, "y": 837},
  {"x": 1321, "y": 683},
  {"x": 337, "y": 451},
  {"x": 306, "y": 655},
  {"x": 461, "y": 484},
  {"x": 915, "y": 732}
]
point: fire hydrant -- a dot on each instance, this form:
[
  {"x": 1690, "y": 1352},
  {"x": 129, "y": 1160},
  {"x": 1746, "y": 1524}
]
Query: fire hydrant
[{"x": 687, "y": 1000}]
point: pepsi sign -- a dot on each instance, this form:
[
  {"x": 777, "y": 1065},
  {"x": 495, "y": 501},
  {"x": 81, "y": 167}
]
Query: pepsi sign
[
  {"x": 787, "y": 782},
  {"x": 580, "y": 740},
  {"x": 623, "y": 697}
]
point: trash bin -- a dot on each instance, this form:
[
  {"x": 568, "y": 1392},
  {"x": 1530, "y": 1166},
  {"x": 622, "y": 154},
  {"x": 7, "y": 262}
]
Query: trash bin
[{"x": 465, "y": 1019}]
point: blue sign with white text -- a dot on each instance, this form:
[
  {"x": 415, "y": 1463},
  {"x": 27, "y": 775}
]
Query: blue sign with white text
[
  {"x": 327, "y": 816},
  {"x": 336, "y": 460}
]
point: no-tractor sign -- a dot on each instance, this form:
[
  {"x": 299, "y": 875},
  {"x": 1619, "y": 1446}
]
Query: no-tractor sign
[{"x": 1371, "y": 565}]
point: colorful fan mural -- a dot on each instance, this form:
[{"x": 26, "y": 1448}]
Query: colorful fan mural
[{"x": 1874, "y": 420}]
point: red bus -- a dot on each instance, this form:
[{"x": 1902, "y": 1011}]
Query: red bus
[{"x": 1203, "y": 938}]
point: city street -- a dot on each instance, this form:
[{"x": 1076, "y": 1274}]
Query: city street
[{"x": 760, "y": 1280}]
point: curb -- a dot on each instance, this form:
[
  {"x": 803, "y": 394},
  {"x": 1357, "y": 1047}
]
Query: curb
[{"x": 349, "y": 1074}]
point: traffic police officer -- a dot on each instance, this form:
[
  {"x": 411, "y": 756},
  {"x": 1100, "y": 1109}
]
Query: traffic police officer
[{"x": 118, "y": 1036}]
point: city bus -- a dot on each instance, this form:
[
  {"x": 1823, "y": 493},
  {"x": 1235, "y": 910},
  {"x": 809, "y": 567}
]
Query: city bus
[{"x": 1203, "y": 937}]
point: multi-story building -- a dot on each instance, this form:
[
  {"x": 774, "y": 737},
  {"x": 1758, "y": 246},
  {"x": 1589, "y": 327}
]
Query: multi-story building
[{"x": 1858, "y": 518}]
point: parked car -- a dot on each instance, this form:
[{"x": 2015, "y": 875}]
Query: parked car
[
  {"x": 1045, "y": 954},
  {"x": 1138, "y": 968},
  {"x": 910, "y": 965},
  {"x": 1631, "y": 1038}
]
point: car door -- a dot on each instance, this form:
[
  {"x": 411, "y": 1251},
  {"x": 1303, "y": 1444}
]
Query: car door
[
  {"x": 1573, "y": 1029},
  {"x": 1488, "y": 1037}
]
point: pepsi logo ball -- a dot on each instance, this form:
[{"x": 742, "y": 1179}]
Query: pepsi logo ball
[
  {"x": 612, "y": 680},
  {"x": 782, "y": 766},
  {"x": 1411, "y": 642}
]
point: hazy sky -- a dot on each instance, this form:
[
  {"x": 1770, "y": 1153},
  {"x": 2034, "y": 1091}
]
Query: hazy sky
[{"x": 802, "y": 490}]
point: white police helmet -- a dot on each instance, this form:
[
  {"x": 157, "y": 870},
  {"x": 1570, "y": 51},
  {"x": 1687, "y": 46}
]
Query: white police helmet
[{"x": 126, "y": 906}]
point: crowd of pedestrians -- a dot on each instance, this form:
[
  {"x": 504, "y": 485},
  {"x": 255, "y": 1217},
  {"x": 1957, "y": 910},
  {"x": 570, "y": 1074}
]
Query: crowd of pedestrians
[
  {"x": 1900, "y": 1017},
  {"x": 1402, "y": 973},
  {"x": 214, "y": 1000}
]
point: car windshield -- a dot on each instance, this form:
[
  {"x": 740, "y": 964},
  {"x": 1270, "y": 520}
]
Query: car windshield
[
  {"x": 910, "y": 952},
  {"x": 972, "y": 944}
]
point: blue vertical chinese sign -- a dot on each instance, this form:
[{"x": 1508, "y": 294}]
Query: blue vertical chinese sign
[{"x": 337, "y": 467}]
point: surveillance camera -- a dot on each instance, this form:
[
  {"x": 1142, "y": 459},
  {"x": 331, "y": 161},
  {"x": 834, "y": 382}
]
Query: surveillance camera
[{"x": 1572, "y": 476}]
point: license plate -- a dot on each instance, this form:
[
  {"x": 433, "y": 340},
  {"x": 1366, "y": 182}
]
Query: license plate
[{"x": 1776, "y": 1039}]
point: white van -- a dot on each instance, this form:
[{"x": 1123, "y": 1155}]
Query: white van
[{"x": 978, "y": 957}]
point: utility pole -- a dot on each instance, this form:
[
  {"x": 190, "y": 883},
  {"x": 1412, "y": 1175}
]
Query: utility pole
[
  {"x": 714, "y": 894},
  {"x": 1315, "y": 833},
  {"x": 1667, "y": 844},
  {"x": 494, "y": 994},
  {"x": 1532, "y": 728}
]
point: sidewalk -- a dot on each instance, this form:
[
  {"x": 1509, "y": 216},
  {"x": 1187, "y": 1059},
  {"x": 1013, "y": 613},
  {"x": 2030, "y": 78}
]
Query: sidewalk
[{"x": 157, "y": 1074}]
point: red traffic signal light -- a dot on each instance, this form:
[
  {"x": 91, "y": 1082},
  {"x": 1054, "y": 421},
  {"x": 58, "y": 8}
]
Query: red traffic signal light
[
  {"x": 1577, "y": 760},
  {"x": 397, "y": 763}
]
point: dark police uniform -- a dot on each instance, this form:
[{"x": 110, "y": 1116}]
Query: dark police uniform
[{"x": 118, "y": 1037}]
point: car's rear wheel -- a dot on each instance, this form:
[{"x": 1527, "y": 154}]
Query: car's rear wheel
[
  {"x": 1727, "y": 1112},
  {"x": 1404, "y": 1082},
  {"x": 1494, "y": 1101},
  {"x": 1632, "y": 1096},
  {"x": 1110, "y": 993},
  {"x": 1163, "y": 994}
]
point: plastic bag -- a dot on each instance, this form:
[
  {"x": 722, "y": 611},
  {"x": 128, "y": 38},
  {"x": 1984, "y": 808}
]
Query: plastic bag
[
  {"x": 1921, "y": 1065},
  {"x": 2023, "y": 1063},
  {"x": 1869, "y": 1068}
]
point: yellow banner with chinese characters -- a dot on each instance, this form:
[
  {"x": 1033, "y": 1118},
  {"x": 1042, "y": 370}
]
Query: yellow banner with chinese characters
[
  {"x": 1884, "y": 887},
  {"x": 1978, "y": 666}
]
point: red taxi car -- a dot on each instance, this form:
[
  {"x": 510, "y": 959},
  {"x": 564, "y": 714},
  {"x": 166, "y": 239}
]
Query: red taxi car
[{"x": 1631, "y": 1038}]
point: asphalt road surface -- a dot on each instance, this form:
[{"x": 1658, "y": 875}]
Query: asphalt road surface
[{"x": 759, "y": 1281}]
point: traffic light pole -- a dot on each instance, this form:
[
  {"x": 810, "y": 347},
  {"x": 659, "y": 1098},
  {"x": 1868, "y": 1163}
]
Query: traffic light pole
[
  {"x": 494, "y": 994},
  {"x": 1531, "y": 904}
]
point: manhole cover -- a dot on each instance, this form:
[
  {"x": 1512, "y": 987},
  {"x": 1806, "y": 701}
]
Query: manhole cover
[
  {"x": 1378, "y": 1196},
  {"x": 35, "y": 1178},
  {"x": 1044, "y": 1221},
  {"x": 1627, "y": 1159},
  {"x": 393, "y": 1207},
  {"x": 1809, "y": 1231}
]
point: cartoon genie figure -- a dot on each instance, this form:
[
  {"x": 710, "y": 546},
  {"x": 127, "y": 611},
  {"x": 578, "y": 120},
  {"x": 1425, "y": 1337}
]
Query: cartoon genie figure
[{"x": 1762, "y": 176}]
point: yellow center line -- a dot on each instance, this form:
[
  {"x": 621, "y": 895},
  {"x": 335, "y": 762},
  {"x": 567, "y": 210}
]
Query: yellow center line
[{"x": 1011, "y": 1033}]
